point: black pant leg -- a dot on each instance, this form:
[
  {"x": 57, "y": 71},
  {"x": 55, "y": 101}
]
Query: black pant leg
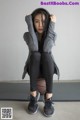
[
  {"x": 34, "y": 69},
  {"x": 47, "y": 70}
]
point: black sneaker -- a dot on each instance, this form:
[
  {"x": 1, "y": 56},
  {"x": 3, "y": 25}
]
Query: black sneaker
[
  {"x": 33, "y": 106},
  {"x": 48, "y": 108}
]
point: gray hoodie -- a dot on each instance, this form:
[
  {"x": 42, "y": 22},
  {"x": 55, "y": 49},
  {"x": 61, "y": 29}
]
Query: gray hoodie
[{"x": 32, "y": 42}]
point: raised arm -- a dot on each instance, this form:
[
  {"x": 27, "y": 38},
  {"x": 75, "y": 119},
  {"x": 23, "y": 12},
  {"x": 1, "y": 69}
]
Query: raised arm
[
  {"x": 51, "y": 35},
  {"x": 31, "y": 37}
]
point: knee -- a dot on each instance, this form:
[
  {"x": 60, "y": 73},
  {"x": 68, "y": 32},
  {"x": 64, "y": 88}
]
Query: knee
[
  {"x": 46, "y": 55},
  {"x": 35, "y": 55}
]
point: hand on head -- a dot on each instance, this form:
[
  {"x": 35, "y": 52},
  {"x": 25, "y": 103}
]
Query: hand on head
[{"x": 53, "y": 18}]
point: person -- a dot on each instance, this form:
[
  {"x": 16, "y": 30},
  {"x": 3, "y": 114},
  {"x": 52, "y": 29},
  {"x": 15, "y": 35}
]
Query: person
[{"x": 40, "y": 63}]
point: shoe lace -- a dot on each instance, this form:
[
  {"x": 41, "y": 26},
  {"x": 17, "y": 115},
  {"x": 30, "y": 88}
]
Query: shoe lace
[
  {"x": 32, "y": 102},
  {"x": 49, "y": 103}
]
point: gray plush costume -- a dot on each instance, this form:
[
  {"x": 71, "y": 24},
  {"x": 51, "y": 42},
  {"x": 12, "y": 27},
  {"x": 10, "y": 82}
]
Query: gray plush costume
[{"x": 32, "y": 42}]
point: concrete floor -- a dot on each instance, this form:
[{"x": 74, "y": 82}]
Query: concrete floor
[{"x": 63, "y": 110}]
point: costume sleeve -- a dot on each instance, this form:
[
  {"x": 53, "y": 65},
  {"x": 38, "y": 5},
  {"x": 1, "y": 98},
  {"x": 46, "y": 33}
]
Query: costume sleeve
[
  {"x": 50, "y": 38},
  {"x": 32, "y": 33},
  {"x": 29, "y": 41}
]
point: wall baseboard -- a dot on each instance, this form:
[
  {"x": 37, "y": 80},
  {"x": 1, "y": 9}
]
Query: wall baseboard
[{"x": 63, "y": 91}]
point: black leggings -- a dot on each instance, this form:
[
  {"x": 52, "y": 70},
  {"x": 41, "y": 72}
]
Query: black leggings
[{"x": 41, "y": 63}]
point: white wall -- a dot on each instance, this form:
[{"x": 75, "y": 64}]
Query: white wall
[{"x": 13, "y": 49}]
